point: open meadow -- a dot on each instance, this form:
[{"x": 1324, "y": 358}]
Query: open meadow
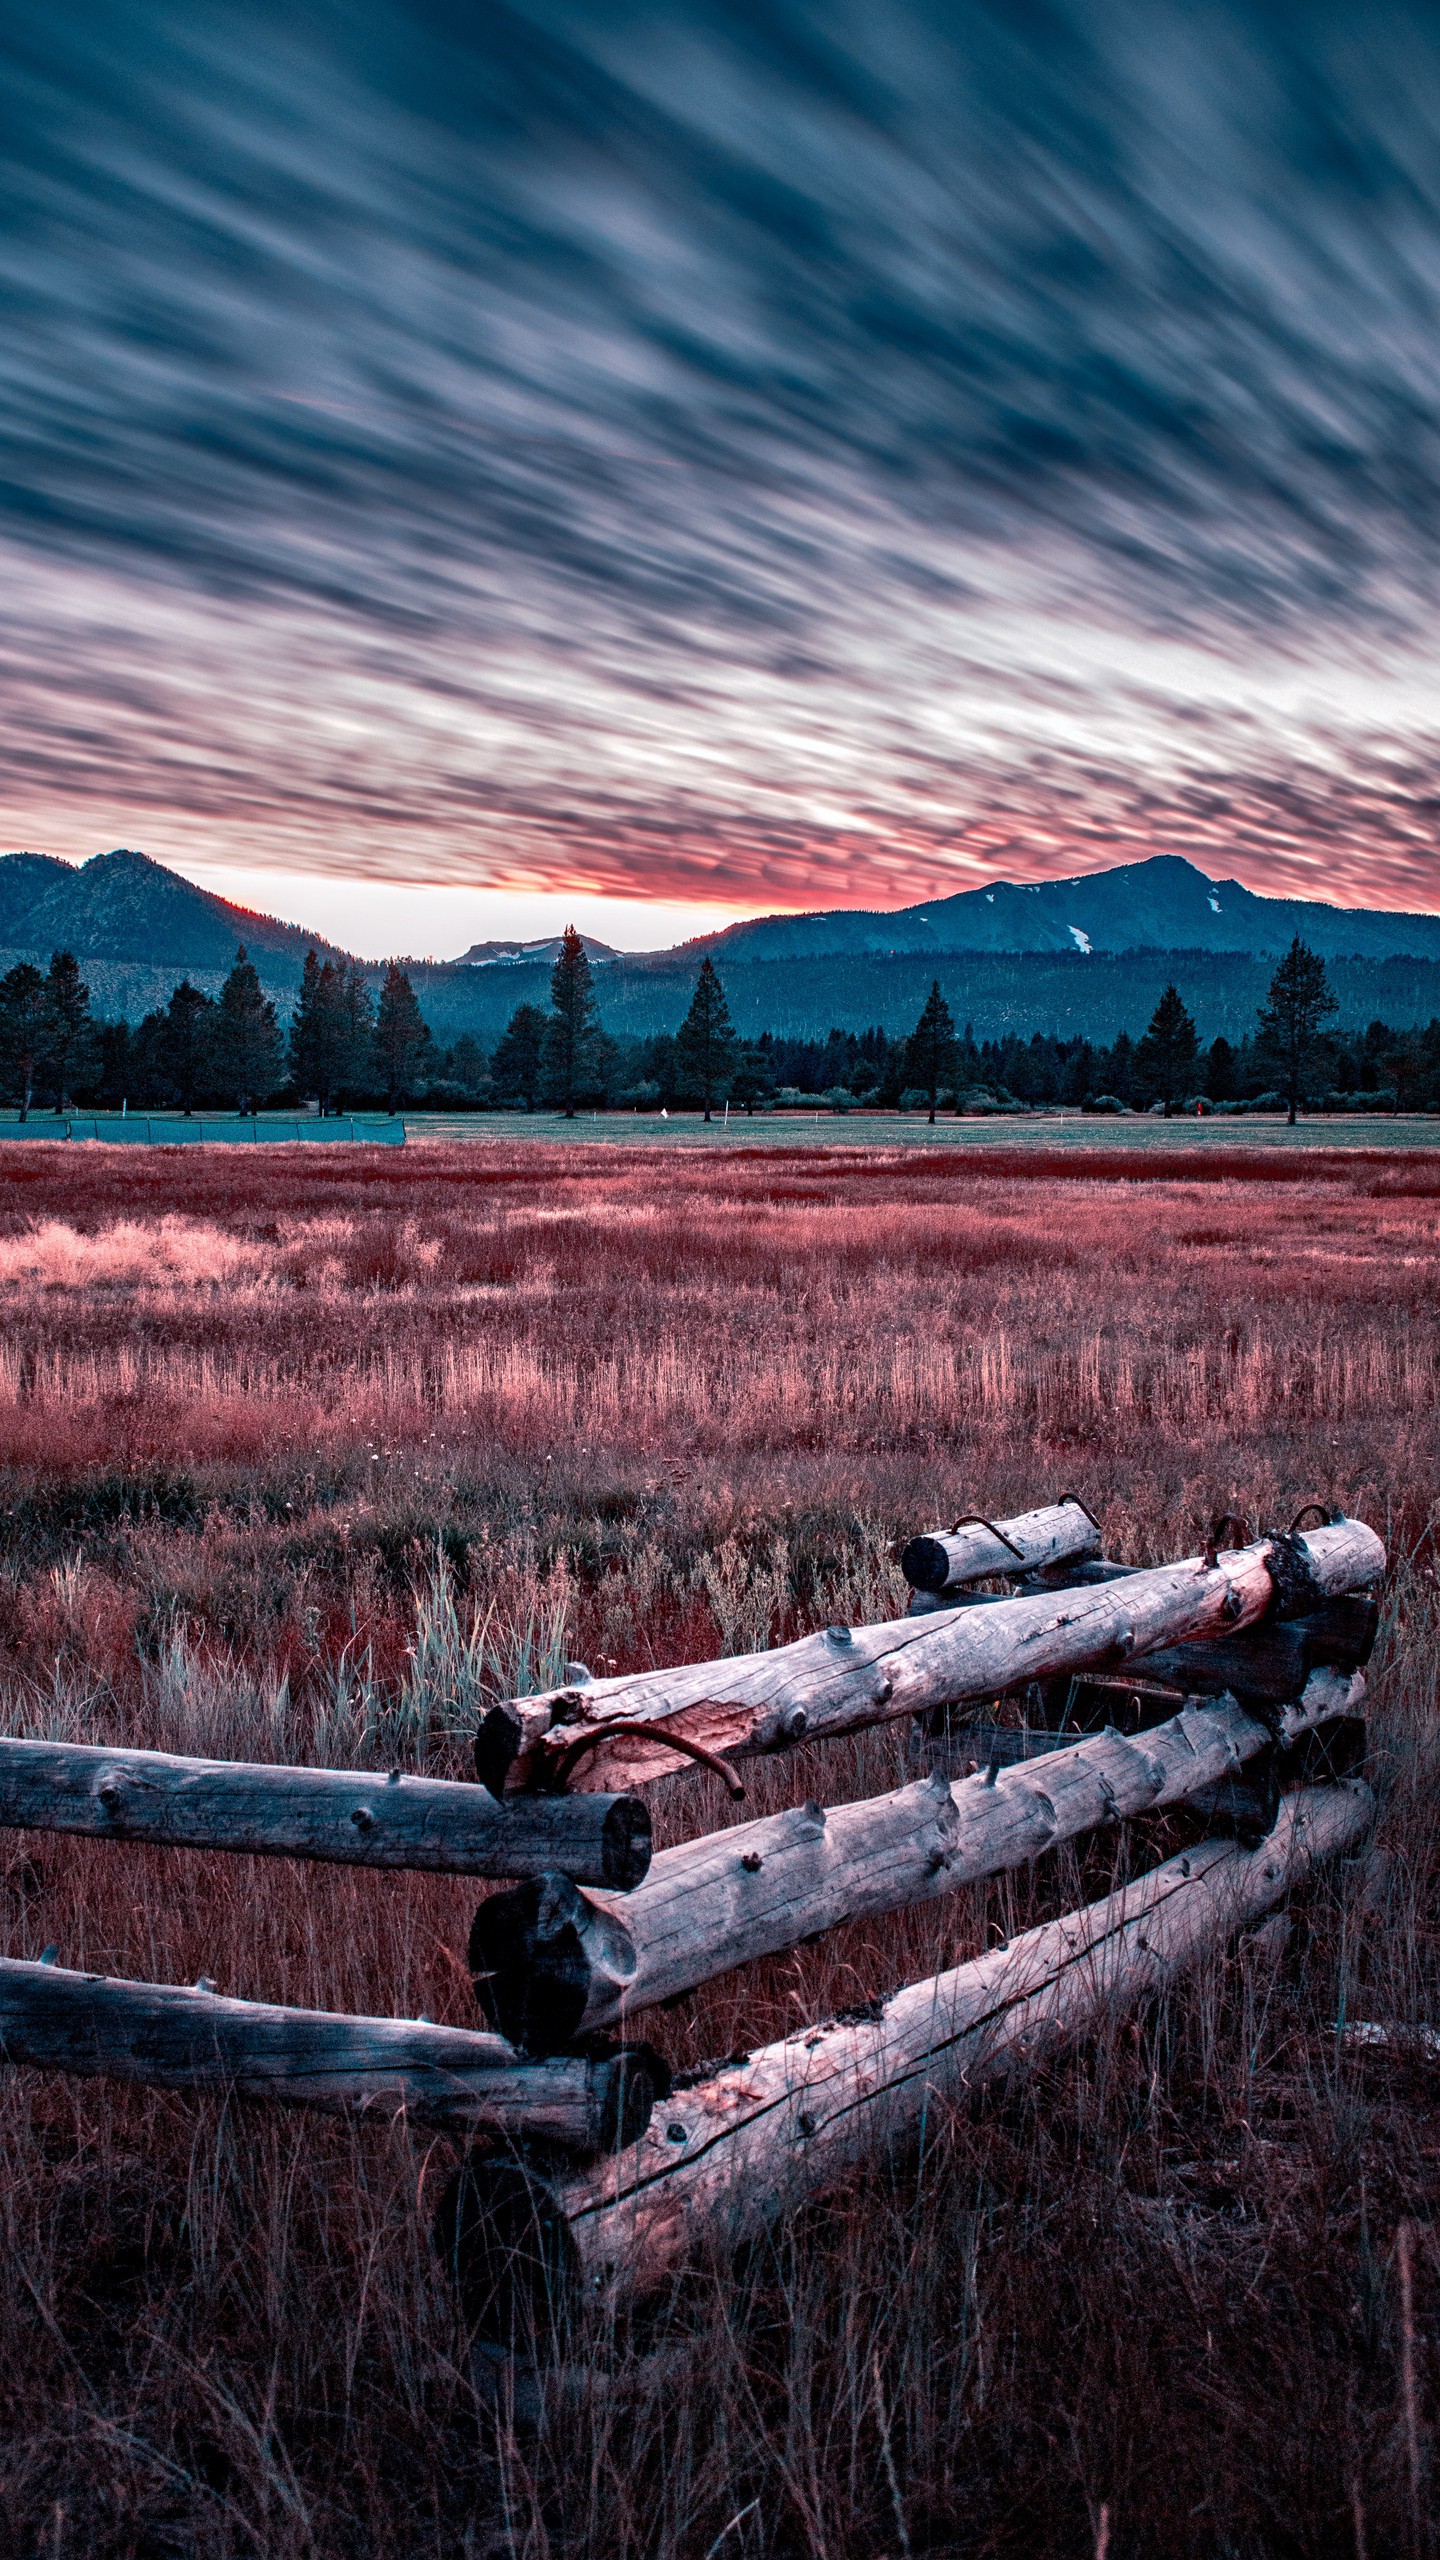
[{"x": 308, "y": 1455}]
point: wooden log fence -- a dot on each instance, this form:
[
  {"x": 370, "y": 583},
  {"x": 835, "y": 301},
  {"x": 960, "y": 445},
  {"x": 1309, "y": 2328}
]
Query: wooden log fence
[
  {"x": 342, "y": 1816},
  {"x": 846, "y": 1678},
  {"x": 552, "y": 1963},
  {"x": 723, "y": 2158},
  {"x": 452, "y": 2077},
  {"x": 1272, "y": 1662},
  {"x": 1059, "y": 1533},
  {"x": 1276, "y": 1628}
]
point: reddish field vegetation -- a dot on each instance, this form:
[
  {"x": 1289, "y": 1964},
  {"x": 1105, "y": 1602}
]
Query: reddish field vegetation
[{"x": 305, "y": 1456}]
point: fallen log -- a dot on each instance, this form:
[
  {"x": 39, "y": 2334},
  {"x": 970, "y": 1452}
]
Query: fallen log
[
  {"x": 725, "y": 2157},
  {"x": 946, "y": 1559},
  {"x": 848, "y": 1677},
  {"x": 347, "y": 1817},
  {"x": 550, "y": 1963},
  {"x": 171, "y": 2038}
]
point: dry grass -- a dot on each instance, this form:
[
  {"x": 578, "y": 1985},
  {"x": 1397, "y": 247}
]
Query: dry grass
[{"x": 303, "y": 1459}]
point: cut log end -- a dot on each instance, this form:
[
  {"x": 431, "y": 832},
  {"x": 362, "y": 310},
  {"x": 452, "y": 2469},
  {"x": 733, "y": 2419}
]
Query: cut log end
[
  {"x": 626, "y": 1843},
  {"x": 497, "y": 1744},
  {"x": 630, "y": 2083},
  {"x": 925, "y": 1564},
  {"x": 530, "y": 1964},
  {"x": 504, "y": 2240}
]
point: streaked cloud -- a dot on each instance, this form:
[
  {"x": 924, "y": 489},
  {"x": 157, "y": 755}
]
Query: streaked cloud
[{"x": 771, "y": 458}]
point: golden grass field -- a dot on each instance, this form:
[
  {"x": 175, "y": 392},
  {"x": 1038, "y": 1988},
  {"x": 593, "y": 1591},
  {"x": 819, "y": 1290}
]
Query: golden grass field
[{"x": 305, "y": 1457}]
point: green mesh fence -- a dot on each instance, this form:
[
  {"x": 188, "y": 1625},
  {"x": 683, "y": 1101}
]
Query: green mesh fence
[{"x": 137, "y": 1130}]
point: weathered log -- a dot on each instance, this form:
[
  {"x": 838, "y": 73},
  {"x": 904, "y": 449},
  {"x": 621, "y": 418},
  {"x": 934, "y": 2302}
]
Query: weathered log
[
  {"x": 725, "y": 2157},
  {"x": 352, "y": 1818},
  {"x": 172, "y": 2038},
  {"x": 849, "y": 1677},
  {"x": 957, "y": 1747},
  {"x": 550, "y": 1963},
  {"x": 946, "y": 1559},
  {"x": 1272, "y": 1662}
]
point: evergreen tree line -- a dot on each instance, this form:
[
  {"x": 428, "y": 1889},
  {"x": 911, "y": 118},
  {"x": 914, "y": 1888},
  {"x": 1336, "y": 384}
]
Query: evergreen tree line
[
  {"x": 347, "y": 1050},
  {"x": 564, "y": 1060},
  {"x": 343, "y": 1048}
]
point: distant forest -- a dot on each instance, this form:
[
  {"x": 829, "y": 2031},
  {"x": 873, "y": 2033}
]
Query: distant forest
[
  {"x": 1090, "y": 997},
  {"x": 349, "y": 1049}
]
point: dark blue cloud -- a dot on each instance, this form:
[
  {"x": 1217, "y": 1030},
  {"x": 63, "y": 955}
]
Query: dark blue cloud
[{"x": 659, "y": 417}]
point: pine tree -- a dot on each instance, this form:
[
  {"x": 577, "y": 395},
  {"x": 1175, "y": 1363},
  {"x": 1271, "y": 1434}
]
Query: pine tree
[
  {"x": 567, "y": 1055},
  {"x": 306, "y": 1040},
  {"x": 1298, "y": 1002},
  {"x": 69, "y": 1032},
  {"x": 322, "y": 1033},
  {"x": 23, "y": 1020},
  {"x": 469, "y": 1067},
  {"x": 188, "y": 1045},
  {"x": 1220, "y": 1070},
  {"x": 931, "y": 1049},
  {"x": 402, "y": 1037},
  {"x": 247, "y": 1038},
  {"x": 753, "y": 1077},
  {"x": 355, "y": 1060},
  {"x": 706, "y": 1048},
  {"x": 1165, "y": 1058},
  {"x": 516, "y": 1064},
  {"x": 117, "y": 1055}
]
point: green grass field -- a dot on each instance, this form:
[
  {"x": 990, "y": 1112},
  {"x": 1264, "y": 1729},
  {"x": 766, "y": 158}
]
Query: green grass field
[
  {"x": 909, "y": 1129},
  {"x": 865, "y": 1129}
]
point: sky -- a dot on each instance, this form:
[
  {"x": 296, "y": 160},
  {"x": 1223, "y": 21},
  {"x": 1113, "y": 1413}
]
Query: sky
[{"x": 463, "y": 467}]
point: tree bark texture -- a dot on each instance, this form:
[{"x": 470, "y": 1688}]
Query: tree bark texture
[
  {"x": 946, "y": 1559},
  {"x": 722, "y": 2159},
  {"x": 172, "y": 2038},
  {"x": 551, "y": 1963},
  {"x": 848, "y": 1677},
  {"x": 338, "y": 1815}
]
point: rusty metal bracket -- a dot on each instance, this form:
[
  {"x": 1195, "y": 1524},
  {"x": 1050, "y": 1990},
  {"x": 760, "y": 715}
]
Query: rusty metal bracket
[
  {"x": 1081, "y": 1505},
  {"x": 977, "y": 1520},
  {"x": 1227, "y": 1520},
  {"x": 1328, "y": 1514}
]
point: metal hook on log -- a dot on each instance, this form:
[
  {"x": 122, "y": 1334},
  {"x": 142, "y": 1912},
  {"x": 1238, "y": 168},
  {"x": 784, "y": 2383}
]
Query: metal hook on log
[
  {"x": 1326, "y": 1514},
  {"x": 653, "y": 1733},
  {"x": 1226, "y": 1520},
  {"x": 977, "y": 1520},
  {"x": 1081, "y": 1505}
]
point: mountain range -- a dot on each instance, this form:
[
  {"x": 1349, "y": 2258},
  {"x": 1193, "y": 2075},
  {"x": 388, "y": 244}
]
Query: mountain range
[
  {"x": 1084, "y": 956},
  {"x": 1164, "y": 904}
]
